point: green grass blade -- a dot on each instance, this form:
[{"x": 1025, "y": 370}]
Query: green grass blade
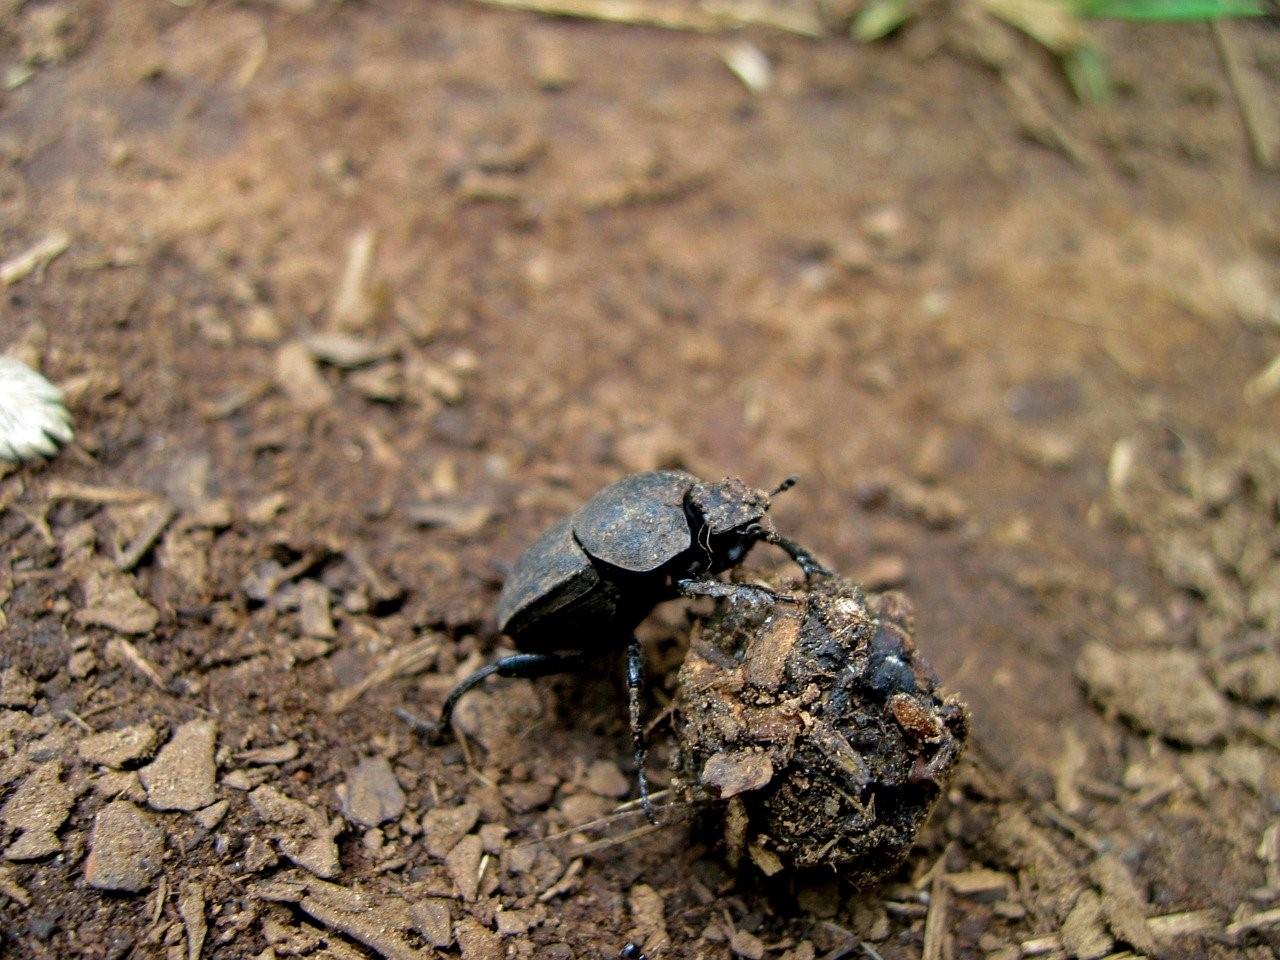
[
  {"x": 1087, "y": 73},
  {"x": 1168, "y": 10},
  {"x": 879, "y": 18}
]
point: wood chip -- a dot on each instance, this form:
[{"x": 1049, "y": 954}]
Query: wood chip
[
  {"x": 88, "y": 493},
  {"x": 297, "y": 376},
  {"x": 461, "y": 518},
  {"x": 346, "y": 350},
  {"x": 1066, "y": 771},
  {"x": 936, "y": 921},
  {"x": 1189, "y": 923},
  {"x": 191, "y": 908},
  {"x": 1049, "y": 876},
  {"x": 34, "y": 259},
  {"x": 699, "y": 18},
  {"x": 141, "y": 544},
  {"x": 120, "y": 651},
  {"x": 1039, "y": 946},
  {"x": 979, "y": 884},
  {"x": 1257, "y": 107},
  {"x": 279, "y": 753},
  {"x": 353, "y": 305},
  {"x": 1123, "y": 903},
  {"x": 730, "y": 774},
  {"x": 1250, "y": 922},
  {"x": 1083, "y": 934},
  {"x": 314, "y": 616}
]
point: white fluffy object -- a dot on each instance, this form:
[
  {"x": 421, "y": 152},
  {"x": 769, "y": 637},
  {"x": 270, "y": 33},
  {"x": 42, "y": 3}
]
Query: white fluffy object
[{"x": 33, "y": 418}]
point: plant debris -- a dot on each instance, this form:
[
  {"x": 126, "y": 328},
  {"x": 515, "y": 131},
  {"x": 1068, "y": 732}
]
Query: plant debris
[
  {"x": 34, "y": 421},
  {"x": 872, "y": 271}
]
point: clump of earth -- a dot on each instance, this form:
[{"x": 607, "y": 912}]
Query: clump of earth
[{"x": 820, "y": 727}]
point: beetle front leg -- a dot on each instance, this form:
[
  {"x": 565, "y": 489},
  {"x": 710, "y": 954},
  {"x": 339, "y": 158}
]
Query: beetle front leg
[
  {"x": 635, "y": 679},
  {"x": 806, "y": 561},
  {"x": 731, "y": 591}
]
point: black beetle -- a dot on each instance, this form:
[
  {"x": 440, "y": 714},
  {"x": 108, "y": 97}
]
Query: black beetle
[{"x": 590, "y": 579}]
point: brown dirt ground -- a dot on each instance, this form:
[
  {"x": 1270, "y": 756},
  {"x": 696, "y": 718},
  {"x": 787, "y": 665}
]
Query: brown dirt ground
[{"x": 595, "y": 251}]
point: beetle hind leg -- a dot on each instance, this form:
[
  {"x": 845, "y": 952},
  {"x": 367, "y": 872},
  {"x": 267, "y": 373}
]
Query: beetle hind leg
[{"x": 514, "y": 665}]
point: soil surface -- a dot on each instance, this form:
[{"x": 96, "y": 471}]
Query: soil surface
[{"x": 353, "y": 300}]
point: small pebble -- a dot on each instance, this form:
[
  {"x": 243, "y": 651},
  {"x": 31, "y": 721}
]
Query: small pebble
[
  {"x": 463, "y": 863},
  {"x": 313, "y": 611},
  {"x": 445, "y": 826},
  {"x": 372, "y": 794},
  {"x": 37, "y": 808},
  {"x": 115, "y": 748},
  {"x": 1161, "y": 691},
  {"x": 299, "y": 380},
  {"x": 302, "y": 832},
  {"x": 16, "y": 688},
  {"x": 605, "y": 778},
  {"x": 431, "y": 918},
  {"x": 746, "y": 945},
  {"x": 125, "y": 849},
  {"x": 212, "y": 815},
  {"x": 182, "y": 776},
  {"x": 478, "y": 942}
]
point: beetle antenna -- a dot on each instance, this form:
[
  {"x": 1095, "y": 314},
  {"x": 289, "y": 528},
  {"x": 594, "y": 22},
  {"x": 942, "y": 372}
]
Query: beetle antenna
[{"x": 785, "y": 485}]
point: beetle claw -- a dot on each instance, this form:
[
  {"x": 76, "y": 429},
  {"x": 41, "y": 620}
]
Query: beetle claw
[{"x": 431, "y": 731}]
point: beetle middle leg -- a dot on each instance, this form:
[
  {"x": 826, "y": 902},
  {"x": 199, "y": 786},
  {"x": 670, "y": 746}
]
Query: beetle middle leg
[
  {"x": 635, "y": 679},
  {"x": 514, "y": 665}
]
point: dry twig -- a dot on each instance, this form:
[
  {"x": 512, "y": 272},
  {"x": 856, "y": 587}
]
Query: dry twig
[
  {"x": 402, "y": 662},
  {"x": 705, "y": 17},
  {"x": 1257, "y": 110}
]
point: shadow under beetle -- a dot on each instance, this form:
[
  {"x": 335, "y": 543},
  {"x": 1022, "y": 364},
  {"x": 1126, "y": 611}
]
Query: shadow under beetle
[{"x": 590, "y": 579}]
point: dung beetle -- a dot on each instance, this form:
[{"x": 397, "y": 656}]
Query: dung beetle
[{"x": 589, "y": 580}]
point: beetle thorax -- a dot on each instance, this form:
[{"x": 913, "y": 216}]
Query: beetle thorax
[
  {"x": 727, "y": 505},
  {"x": 727, "y": 518}
]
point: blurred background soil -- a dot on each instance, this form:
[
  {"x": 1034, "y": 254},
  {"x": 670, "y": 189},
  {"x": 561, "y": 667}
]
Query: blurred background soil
[{"x": 351, "y": 300}]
